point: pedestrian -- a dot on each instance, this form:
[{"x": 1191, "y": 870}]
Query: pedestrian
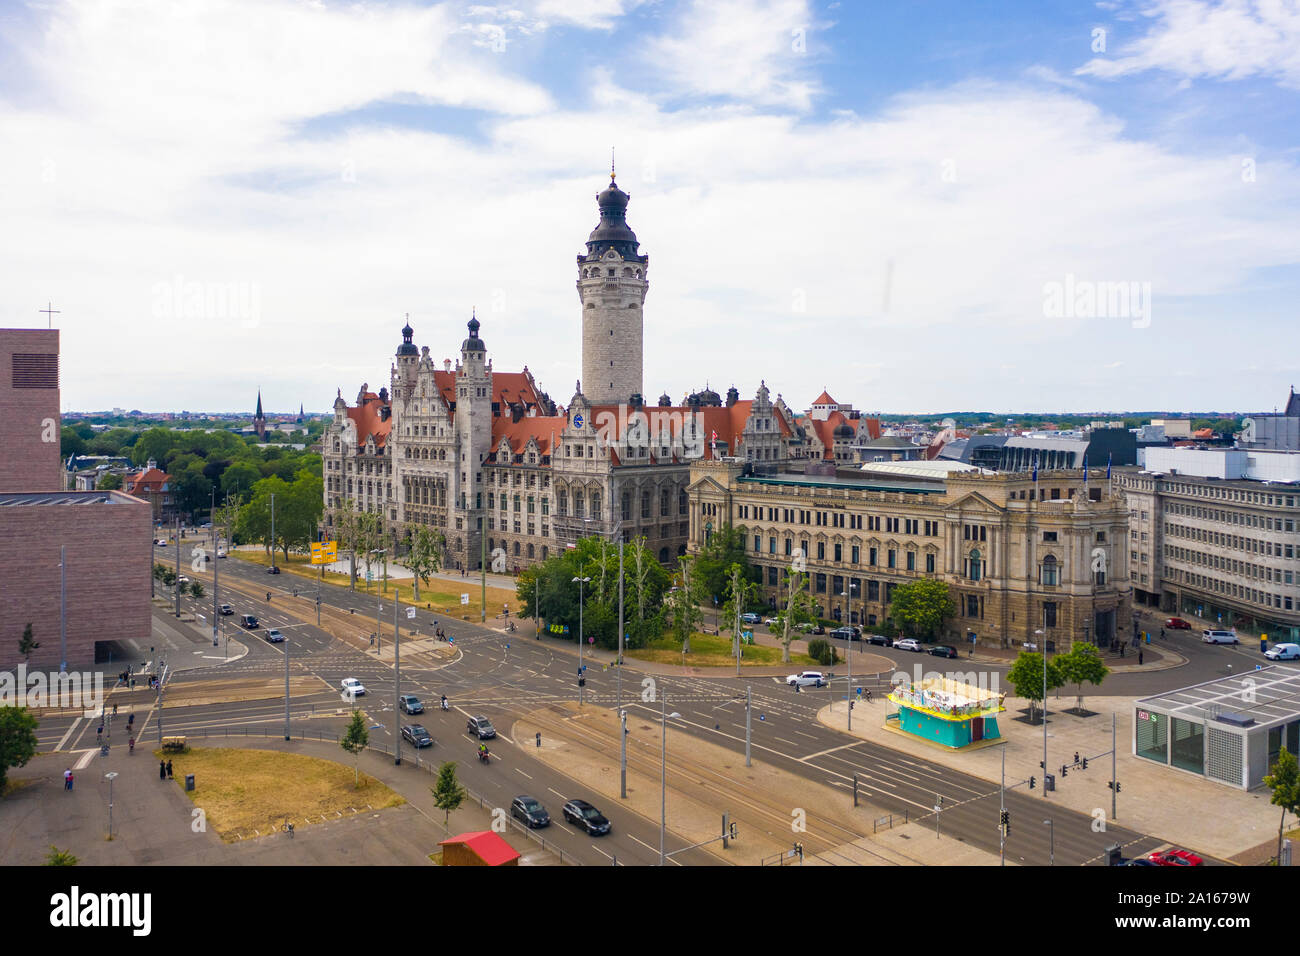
[
  {"x": 1121, "y": 650},
  {"x": 70, "y": 779},
  {"x": 169, "y": 770},
  {"x": 1140, "y": 655},
  {"x": 162, "y": 770},
  {"x": 1162, "y": 634},
  {"x": 130, "y": 719},
  {"x": 67, "y": 779},
  {"x": 130, "y": 744}
]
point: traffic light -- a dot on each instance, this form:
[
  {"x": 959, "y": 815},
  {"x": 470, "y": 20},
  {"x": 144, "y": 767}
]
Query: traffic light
[
  {"x": 1085, "y": 763},
  {"x": 1031, "y": 783},
  {"x": 582, "y": 682},
  {"x": 1005, "y": 819},
  {"x": 1117, "y": 785},
  {"x": 1065, "y": 771},
  {"x": 1110, "y": 784}
]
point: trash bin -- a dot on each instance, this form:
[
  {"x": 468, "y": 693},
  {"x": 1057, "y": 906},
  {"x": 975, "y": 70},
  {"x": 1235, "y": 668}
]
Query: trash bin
[{"x": 189, "y": 782}]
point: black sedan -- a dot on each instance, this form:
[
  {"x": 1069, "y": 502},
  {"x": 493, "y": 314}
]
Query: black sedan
[
  {"x": 416, "y": 735},
  {"x": 943, "y": 650},
  {"x": 583, "y": 814},
  {"x": 530, "y": 812}
]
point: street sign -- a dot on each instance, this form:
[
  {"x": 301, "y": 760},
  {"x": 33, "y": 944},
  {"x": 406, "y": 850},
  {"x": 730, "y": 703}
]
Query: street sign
[
  {"x": 464, "y": 599},
  {"x": 324, "y": 552},
  {"x": 410, "y": 613}
]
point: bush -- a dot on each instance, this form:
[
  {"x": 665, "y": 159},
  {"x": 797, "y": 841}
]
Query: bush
[{"x": 822, "y": 651}]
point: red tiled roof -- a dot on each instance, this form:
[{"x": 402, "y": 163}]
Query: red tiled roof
[
  {"x": 487, "y": 846},
  {"x": 542, "y": 428},
  {"x": 507, "y": 388},
  {"x": 147, "y": 481},
  {"x": 824, "y": 399},
  {"x": 366, "y": 418},
  {"x": 727, "y": 421}
]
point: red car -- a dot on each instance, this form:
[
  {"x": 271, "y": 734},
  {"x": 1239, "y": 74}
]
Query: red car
[
  {"x": 1178, "y": 624},
  {"x": 1175, "y": 858}
]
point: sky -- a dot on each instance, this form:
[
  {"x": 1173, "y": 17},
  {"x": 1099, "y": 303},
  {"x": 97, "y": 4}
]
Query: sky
[{"x": 922, "y": 207}]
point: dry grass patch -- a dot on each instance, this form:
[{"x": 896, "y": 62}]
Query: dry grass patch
[
  {"x": 247, "y": 791},
  {"x": 711, "y": 650}
]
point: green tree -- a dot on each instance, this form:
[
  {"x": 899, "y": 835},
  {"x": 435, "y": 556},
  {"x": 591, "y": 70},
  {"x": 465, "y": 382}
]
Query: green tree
[
  {"x": 153, "y": 444},
  {"x": 196, "y": 589},
  {"x": 684, "y": 604},
  {"x": 17, "y": 740},
  {"x": 1083, "y": 663},
  {"x": 424, "y": 553},
  {"x": 57, "y": 857},
  {"x": 741, "y": 593},
  {"x": 1284, "y": 781},
  {"x": 921, "y": 607},
  {"x": 70, "y": 443},
  {"x": 448, "y": 794},
  {"x": 798, "y": 610},
  {"x": 26, "y": 644},
  {"x": 110, "y": 482},
  {"x": 1026, "y": 676},
  {"x": 239, "y": 478},
  {"x": 713, "y": 566},
  {"x": 356, "y": 739}
]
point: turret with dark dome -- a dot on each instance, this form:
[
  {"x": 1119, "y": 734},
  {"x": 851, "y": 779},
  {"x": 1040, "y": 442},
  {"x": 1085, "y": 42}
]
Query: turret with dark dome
[
  {"x": 612, "y": 232},
  {"x": 473, "y": 343},
  {"x": 408, "y": 346}
]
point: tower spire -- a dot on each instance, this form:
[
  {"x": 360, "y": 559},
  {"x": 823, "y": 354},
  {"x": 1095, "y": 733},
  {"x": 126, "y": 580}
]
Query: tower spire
[{"x": 611, "y": 164}]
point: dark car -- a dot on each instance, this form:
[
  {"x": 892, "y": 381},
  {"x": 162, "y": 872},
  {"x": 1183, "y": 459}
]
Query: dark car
[
  {"x": 248, "y": 621},
  {"x": 416, "y": 735},
  {"x": 845, "y": 633},
  {"x": 274, "y": 636},
  {"x": 879, "y": 639},
  {"x": 1137, "y": 861},
  {"x": 226, "y": 610},
  {"x": 943, "y": 650},
  {"x": 583, "y": 814},
  {"x": 273, "y": 570},
  {"x": 410, "y": 704},
  {"x": 481, "y": 728},
  {"x": 530, "y": 812}
]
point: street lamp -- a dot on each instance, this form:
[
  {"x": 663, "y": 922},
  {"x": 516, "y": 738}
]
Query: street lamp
[
  {"x": 378, "y": 606},
  {"x": 1051, "y": 841},
  {"x": 110, "y": 777},
  {"x": 1042, "y": 649},
  {"x": 848, "y": 655},
  {"x": 663, "y": 772},
  {"x": 580, "y": 582}
]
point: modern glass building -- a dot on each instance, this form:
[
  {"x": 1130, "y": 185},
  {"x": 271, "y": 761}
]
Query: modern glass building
[{"x": 1230, "y": 730}]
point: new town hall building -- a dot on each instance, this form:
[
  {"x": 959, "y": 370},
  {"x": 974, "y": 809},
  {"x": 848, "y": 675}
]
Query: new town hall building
[{"x": 487, "y": 458}]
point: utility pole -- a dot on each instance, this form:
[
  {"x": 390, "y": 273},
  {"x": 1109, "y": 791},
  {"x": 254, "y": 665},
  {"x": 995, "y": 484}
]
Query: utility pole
[
  {"x": 749, "y": 697},
  {"x": 286, "y": 688},
  {"x": 216, "y": 564},
  {"x": 178, "y": 566},
  {"x": 162, "y": 665},
  {"x": 622, "y": 759},
  {"x": 272, "y": 530},
  {"x": 1002, "y": 809},
  {"x": 63, "y": 607},
  {"x": 397, "y": 679},
  {"x": 482, "y": 569},
  {"x": 1114, "y": 787}
]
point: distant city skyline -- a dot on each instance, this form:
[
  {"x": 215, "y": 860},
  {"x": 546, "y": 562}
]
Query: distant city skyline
[{"x": 1040, "y": 206}]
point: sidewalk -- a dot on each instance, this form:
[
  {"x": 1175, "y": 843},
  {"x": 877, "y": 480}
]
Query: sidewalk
[
  {"x": 1174, "y": 806},
  {"x": 153, "y": 820}
]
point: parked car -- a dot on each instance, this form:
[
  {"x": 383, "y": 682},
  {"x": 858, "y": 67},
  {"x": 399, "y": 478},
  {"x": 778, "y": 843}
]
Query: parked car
[
  {"x": 410, "y": 704},
  {"x": 273, "y": 570},
  {"x": 530, "y": 812},
  {"x": 416, "y": 735},
  {"x": 770, "y": 621},
  {"x": 1138, "y": 861},
  {"x": 908, "y": 644},
  {"x": 226, "y": 610},
  {"x": 1175, "y": 858},
  {"x": 583, "y": 814},
  {"x": 749, "y": 617},
  {"x": 845, "y": 634},
  {"x": 161, "y": 542},
  {"x": 1283, "y": 652},
  {"x": 806, "y": 679},
  {"x": 481, "y": 728},
  {"x": 878, "y": 639},
  {"x": 274, "y": 636},
  {"x": 943, "y": 650},
  {"x": 808, "y": 628},
  {"x": 1215, "y": 635},
  {"x": 1178, "y": 624},
  {"x": 248, "y": 621},
  {"x": 352, "y": 687}
]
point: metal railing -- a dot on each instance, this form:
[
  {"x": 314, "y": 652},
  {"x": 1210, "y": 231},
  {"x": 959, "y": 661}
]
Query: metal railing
[{"x": 888, "y": 822}]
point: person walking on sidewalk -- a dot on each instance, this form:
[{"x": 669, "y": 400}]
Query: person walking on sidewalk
[
  {"x": 1139, "y": 657},
  {"x": 67, "y": 779},
  {"x": 169, "y": 770},
  {"x": 162, "y": 770}
]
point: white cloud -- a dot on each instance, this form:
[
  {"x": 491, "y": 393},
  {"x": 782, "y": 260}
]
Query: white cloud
[
  {"x": 1229, "y": 40},
  {"x": 753, "y": 51}
]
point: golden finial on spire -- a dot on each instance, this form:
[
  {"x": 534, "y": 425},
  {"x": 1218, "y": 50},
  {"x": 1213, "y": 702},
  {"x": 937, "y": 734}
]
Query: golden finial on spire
[{"x": 611, "y": 164}]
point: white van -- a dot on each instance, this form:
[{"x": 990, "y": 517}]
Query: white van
[{"x": 1219, "y": 636}]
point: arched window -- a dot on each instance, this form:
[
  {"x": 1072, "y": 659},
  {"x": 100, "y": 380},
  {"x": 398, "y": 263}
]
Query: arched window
[
  {"x": 1049, "y": 573},
  {"x": 516, "y": 549},
  {"x": 530, "y": 551},
  {"x": 663, "y": 555},
  {"x": 663, "y": 503},
  {"x": 974, "y": 565},
  {"x": 561, "y": 502},
  {"x": 595, "y": 504},
  {"x": 545, "y": 552}
]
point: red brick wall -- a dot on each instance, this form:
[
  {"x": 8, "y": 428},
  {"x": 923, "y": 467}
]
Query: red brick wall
[
  {"x": 108, "y": 576},
  {"x": 28, "y": 463}
]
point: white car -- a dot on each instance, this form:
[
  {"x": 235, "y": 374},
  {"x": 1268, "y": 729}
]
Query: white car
[
  {"x": 1283, "y": 652},
  {"x": 806, "y": 679},
  {"x": 1214, "y": 635},
  {"x": 353, "y": 687},
  {"x": 908, "y": 644}
]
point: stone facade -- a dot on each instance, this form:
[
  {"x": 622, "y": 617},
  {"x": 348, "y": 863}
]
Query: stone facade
[{"x": 1015, "y": 563}]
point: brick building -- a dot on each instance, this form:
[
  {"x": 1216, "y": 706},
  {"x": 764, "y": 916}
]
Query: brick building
[{"x": 106, "y": 535}]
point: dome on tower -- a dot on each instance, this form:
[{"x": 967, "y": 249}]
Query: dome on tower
[
  {"x": 473, "y": 343},
  {"x": 612, "y": 232},
  {"x": 407, "y": 347},
  {"x": 665, "y": 400}
]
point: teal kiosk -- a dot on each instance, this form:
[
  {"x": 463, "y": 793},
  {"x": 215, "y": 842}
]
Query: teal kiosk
[{"x": 947, "y": 712}]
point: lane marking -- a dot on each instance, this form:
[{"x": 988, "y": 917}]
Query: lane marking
[{"x": 71, "y": 728}]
